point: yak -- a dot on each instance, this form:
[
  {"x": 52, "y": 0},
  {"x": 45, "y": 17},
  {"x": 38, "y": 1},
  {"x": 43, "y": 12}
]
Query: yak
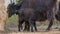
[
  {"x": 34, "y": 10},
  {"x": 31, "y": 11}
]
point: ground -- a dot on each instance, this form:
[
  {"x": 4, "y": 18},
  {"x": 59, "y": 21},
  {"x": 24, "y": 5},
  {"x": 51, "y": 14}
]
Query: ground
[{"x": 50, "y": 32}]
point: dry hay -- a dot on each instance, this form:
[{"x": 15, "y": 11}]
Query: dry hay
[{"x": 3, "y": 16}]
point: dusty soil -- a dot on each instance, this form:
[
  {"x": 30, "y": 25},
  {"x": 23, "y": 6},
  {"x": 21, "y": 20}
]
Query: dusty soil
[{"x": 50, "y": 32}]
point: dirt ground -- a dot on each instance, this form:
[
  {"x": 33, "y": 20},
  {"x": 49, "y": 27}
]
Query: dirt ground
[{"x": 50, "y": 32}]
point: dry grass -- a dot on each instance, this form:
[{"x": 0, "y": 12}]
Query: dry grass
[{"x": 3, "y": 15}]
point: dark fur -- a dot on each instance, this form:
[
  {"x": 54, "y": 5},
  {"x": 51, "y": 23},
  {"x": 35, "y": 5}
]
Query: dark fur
[
  {"x": 38, "y": 10},
  {"x": 31, "y": 11},
  {"x": 12, "y": 9}
]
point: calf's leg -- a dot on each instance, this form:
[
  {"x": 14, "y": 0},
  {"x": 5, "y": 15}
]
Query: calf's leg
[
  {"x": 20, "y": 24},
  {"x": 27, "y": 26},
  {"x": 32, "y": 24}
]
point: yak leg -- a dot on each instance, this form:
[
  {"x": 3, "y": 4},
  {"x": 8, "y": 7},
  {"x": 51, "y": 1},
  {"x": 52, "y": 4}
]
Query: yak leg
[
  {"x": 20, "y": 24},
  {"x": 32, "y": 24},
  {"x": 27, "y": 26},
  {"x": 51, "y": 17}
]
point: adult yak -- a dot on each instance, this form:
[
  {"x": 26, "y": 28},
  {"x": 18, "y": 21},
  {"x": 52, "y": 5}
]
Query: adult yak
[
  {"x": 31, "y": 10},
  {"x": 36, "y": 10}
]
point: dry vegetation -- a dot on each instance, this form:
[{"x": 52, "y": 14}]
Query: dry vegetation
[{"x": 3, "y": 15}]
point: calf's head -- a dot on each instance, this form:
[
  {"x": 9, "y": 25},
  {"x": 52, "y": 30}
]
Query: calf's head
[{"x": 11, "y": 9}]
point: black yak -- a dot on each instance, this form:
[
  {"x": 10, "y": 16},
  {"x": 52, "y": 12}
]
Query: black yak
[
  {"x": 34, "y": 10},
  {"x": 31, "y": 11}
]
